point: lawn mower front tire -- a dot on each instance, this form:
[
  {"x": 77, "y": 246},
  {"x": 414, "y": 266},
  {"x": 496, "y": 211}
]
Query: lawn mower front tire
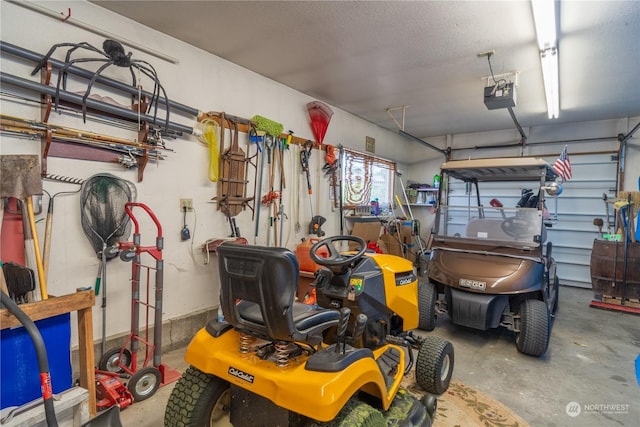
[{"x": 434, "y": 365}]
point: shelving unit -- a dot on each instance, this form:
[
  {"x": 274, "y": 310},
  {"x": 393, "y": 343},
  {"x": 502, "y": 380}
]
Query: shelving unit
[{"x": 423, "y": 197}]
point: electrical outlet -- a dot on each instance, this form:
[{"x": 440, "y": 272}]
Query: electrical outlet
[{"x": 186, "y": 204}]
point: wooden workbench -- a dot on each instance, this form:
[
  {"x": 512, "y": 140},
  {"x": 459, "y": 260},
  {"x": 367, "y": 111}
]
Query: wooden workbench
[{"x": 82, "y": 302}]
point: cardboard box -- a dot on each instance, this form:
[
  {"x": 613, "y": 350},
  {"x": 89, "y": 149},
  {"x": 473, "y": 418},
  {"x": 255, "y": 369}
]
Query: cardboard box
[
  {"x": 394, "y": 244},
  {"x": 369, "y": 231}
]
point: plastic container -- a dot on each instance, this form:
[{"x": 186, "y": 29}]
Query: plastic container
[
  {"x": 302, "y": 253},
  {"x": 436, "y": 181},
  {"x": 19, "y": 364},
  {"x": 375, "y": 207}
]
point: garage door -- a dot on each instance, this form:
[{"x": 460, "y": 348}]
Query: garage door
[{"x": 594, "y": 175}]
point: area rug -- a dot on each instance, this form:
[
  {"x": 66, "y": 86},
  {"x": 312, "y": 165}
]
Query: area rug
[{"x": 465, "y": 406}]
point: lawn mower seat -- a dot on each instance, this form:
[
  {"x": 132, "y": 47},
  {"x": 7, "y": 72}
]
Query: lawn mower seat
[{"x": 257, "y": 288}]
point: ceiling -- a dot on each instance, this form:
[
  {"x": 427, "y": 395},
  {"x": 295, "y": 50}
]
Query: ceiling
[{"x": 366, "y": 57}]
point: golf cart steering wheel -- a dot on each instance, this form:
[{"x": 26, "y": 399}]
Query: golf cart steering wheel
[
  {"x": 335, "y": 258},
  {"x": 517, "y": 227}
]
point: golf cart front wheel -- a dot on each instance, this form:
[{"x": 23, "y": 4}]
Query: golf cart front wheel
[
  {"x": 434, "y": 365},
  {"x": 144, "y": 383},
  {"x": 114, "y": 359},
  {"x": 533, "y": 338},
  {"x": 427, "y": 295},
  {"x": 198, "y": 399}
]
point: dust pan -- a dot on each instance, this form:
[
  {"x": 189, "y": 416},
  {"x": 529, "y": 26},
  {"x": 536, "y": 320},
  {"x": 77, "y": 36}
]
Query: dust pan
[{"x": 320, "y": 115}]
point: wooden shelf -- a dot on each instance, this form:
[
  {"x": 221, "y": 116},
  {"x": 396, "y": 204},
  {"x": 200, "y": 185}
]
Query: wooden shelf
[
  {"x": 82, "y": 302},
  {"x": 366, "y": 218}
]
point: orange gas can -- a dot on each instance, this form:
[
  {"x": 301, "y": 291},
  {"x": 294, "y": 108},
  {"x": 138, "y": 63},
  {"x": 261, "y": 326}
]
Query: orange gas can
[{"x": 302, "y": 253}]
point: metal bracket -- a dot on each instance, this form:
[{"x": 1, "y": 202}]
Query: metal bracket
[{"x": 404, "y": 109}]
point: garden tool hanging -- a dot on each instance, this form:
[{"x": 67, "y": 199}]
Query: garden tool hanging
[
  {"x": 271, "y": 196},
  {"x": 21, "y": 179},
  {"x": 232, "y": 195},
  {"x": 316, "y": 220},
  {"x": 320, "y": 115}
]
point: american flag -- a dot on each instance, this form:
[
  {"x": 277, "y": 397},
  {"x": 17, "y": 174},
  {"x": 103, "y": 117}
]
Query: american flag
[{"x": 562, "y": 166}]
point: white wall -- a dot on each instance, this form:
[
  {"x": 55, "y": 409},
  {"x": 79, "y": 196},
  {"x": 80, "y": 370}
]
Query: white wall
[
  {"x": 200, "y": 80},
  {"x": 209, "y": 83}
]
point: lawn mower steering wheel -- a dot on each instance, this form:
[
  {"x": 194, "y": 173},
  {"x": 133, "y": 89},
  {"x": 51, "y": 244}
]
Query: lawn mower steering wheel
[
  {"x": 517, "y": 227},
  {"x": 335, "y": 258}
]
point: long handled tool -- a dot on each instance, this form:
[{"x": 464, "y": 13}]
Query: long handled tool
[
  {"x": 21, "y": 179},
  {"x": 49, "y": 226},
  {"x": 268, "y": 199},
  {"x": 340, "y": 171},
  {"x": 305, "y": 156},
  {"x": 281, "y": 215},
  {"x": 406, "y": 199},
  {"x": 259, "y": 187},
  {"x": 271, "y": 131}
]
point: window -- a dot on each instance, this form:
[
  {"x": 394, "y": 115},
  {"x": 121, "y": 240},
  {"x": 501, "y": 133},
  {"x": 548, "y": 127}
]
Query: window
[{"x": 367, "y": 178}]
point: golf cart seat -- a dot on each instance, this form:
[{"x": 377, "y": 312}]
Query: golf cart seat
[{"x": 257, "y": 289}]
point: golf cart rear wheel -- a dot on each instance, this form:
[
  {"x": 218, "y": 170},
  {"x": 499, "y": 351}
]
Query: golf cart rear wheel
[
  {"x": 112, "y": 360},
  {"x": 427, "y": 295},
  {"x": 533, "y": 338},
  {"x": 198, "y": 399},
  {"x": 144, "y": 383},
  {"x": 434, "y": 365}
]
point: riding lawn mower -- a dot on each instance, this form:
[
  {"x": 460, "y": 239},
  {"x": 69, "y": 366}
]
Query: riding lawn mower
[{"x": 278, "y": 362}]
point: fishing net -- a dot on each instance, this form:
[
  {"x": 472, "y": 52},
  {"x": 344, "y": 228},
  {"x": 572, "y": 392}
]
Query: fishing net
[{"x": 102, "y": 209}]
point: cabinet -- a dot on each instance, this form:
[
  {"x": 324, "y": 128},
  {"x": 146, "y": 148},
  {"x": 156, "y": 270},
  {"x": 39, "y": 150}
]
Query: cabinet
[{"x": 425, "y": 196}]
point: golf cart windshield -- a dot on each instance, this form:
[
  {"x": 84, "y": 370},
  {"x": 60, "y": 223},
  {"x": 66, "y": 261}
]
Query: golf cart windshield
[
  {"x": 480, "y": 224},
  {"x": 469, "y": 210}
]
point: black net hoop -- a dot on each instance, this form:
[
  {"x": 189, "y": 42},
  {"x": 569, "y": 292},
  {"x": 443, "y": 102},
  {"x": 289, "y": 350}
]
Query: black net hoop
[{"x": 102, "y": 209}]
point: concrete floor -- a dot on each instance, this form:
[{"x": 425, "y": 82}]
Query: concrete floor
[{"x": 590, "y": 361}]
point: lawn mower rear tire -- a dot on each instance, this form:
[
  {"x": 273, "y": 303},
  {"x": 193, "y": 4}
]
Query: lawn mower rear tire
[{"x": 197, "y": 399}]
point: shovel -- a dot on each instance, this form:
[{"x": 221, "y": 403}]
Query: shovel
[{"x": 21, "y": 179}]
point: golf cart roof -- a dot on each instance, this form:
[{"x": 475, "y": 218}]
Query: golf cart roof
[{"x": 500, "y": 169}]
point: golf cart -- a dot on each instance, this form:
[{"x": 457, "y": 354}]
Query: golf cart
[
  {"x": 490, "y": 266},
  {"x": 278, "y": 362}
]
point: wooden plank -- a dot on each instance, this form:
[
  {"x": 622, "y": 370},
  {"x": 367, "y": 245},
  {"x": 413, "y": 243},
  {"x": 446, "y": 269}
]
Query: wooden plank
[
  {"x": 618, "y": 301},
  {"x": 614, "y": 307},
  {"x": 86, "y": 355},
  {"x": 49, "y": 308},
  {"x": 244, "y": 128}
]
